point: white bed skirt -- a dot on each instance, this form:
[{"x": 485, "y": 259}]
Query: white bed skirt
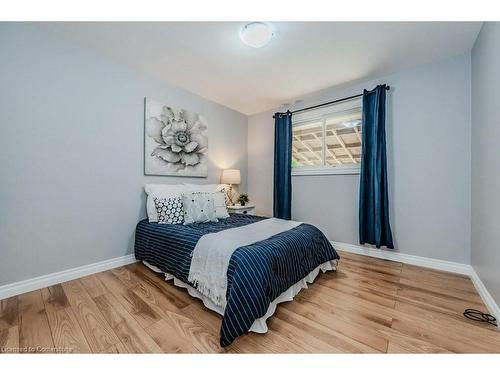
[{"x": 259, "y": 325}]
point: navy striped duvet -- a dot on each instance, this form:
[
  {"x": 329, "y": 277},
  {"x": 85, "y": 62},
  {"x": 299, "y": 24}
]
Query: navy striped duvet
[{"x": 257, "y": 273}]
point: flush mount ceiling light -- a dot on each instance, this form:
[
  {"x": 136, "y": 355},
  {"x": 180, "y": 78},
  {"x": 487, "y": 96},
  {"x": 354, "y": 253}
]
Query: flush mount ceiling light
[{"x": 256, "y": 34}]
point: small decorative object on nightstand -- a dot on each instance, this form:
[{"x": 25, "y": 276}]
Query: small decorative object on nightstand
[
  {"x": 242, "y": 199},
  {"x": 249, "y": 209}
]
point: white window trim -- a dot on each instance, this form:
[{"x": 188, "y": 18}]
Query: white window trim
[{"x": 324, "y": 170}]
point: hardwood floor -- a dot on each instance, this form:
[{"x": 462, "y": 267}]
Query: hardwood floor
[{"x": 368, "y": 306}]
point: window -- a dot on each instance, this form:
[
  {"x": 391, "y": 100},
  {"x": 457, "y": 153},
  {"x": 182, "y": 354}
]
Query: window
[{"x": 327, "y": 140}]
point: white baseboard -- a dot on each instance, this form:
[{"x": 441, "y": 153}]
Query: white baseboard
[
  {"x": 35, "y": 283},
  {"x": 485, "y": 295},
  {"x": 437, "y": 264}
]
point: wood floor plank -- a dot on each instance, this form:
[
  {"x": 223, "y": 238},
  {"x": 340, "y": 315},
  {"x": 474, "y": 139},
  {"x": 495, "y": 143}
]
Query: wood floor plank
[
  {"x": 301, "y": 337},
  {"x": 390, "y": 268},
  {"x": 438, "y": 301},
  {"x": 98, "y": 333},
  {"x": 346, "y": 300},
  {"x": 150, "y": 292},
  {"x": 349, "y": 257},
  {"x": 409, "y": 343},
  {"x": 437, "y": 308},
  {"x": 144, "y": 313},
  {"x": 66, "y": 331},
  {"x": 117, "y": 349},
  {"x": 204, "y": 340},
  {"x": 93, "y": 286},
  {"x": 9, "y": 340},
  {"x": 250, "y": 343},
  {"x": 434, "y": 282},
  {"x": 350, "y": 278},
  {"x": 245, "y": 345},
  {"x": 341, "y": 324},
  {"x": 448, "y": 317},
  {"x": 380, "y": 298},
  {"x": 447, "y": 339},
  {"x": 349, "y": 312},
  {"x": 466, "y": 293},
  {"x": 363, "y": 290},
  {"x": 367, "y": 273},
  {"x": 34, "y": 330},
  {"x": 176, "y": 295},
  {"x": 429, "y": 272},
  {"x": 168, "y": 338},
  {"x": 54, "y": 298},
  {"x": 438, "y": 278},
  {"x": 346, "y": 336},
  {"x": 482, "y": 336},
  {"x": 394, "y": 348},
  {"x": 126, "y": 276},
  {"x": 265, "y": 343},
  {"x": 130, "y": 333},
  {"x": 388, "y": 289},
  {"x": 9, "y": 312},
  {"x": 341, "y": 300}
]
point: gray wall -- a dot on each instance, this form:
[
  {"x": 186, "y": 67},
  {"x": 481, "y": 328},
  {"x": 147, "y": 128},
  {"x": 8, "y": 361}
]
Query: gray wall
[
  {"x": 428, "y": 132},
  {"x": 71, "y": 152},
  {"x": 485, "y": 220}
]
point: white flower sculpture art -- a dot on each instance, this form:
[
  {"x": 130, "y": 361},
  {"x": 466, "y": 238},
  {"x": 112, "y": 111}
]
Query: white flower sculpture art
[{"x": 175, "y": 141}]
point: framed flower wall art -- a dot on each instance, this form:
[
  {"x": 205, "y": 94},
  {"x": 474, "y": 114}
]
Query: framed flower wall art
[{"x": 175, "y": 141}]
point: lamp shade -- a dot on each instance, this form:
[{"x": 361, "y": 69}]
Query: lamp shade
[{"x": 230, "y": 176}]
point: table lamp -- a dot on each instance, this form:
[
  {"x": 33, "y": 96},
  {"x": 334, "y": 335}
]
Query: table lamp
[{"x": 230, "y": 177}]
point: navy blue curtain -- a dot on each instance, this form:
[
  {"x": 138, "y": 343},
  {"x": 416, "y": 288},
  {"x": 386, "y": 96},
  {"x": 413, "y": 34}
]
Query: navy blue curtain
[
  {"x": 283, "y": 165},
  {"x": 374, "y": 227}
]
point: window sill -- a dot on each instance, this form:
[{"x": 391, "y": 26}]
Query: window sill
[{"x": 321, "y": 171}]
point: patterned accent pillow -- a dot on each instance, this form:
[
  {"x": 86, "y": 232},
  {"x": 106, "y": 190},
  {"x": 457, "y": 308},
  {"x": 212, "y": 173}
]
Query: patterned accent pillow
[
  {"x": 199, "y": 208},
  {"x": 170, "y": 210}
]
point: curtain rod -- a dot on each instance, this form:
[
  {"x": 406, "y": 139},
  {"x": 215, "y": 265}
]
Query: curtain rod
[{"x": 332, "y": 102}]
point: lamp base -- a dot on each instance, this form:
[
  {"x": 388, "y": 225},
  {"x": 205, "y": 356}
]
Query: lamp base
[{"x": 230, "y": 195}]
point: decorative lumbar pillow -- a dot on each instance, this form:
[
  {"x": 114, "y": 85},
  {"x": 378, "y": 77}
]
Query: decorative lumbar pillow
[
  {"x": 170, "y": 210},
  {"x": 160, "y": 191},
  {"x": 220, "y": 205},
  {"x": 199, "y": 208}
]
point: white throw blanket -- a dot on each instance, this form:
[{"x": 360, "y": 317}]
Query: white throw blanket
[{"x": 211, "y": 255}]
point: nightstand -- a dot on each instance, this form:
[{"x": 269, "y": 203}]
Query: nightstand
[{"x": 248, "y": 209}]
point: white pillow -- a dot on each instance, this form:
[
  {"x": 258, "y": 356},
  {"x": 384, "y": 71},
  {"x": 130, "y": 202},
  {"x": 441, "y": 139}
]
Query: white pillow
[
  {"x": 220, "y": 205},
  {"x": 199, "y": 208},
  {"x": 220, "y": 199},
  {"x": 159, "y": 191}
]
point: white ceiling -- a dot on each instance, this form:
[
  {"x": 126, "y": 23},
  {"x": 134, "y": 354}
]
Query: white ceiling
[{"x": 208, "y": 58}]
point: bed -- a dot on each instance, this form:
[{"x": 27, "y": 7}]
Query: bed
[{"x": 259, "y": 275}]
